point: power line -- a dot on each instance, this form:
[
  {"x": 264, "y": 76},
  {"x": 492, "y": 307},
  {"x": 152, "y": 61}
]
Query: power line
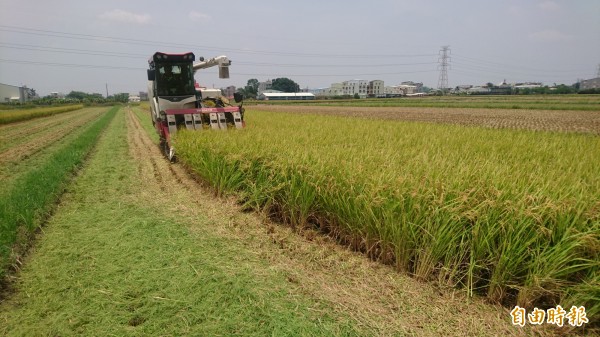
[
  {"x": 68, "y": 50},
  {"x": 338, "y": 75},
  {"x": 70, "y": 65},
  {"x": 111, "y": 39},
  {"x": 19, "y": 46},
  {"x": 93, "y": 66}
]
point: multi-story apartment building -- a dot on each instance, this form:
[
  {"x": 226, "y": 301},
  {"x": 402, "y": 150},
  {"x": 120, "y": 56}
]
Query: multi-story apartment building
[
  {"x": 375, "y": 89},
  {"x": 353, "y": 87}
]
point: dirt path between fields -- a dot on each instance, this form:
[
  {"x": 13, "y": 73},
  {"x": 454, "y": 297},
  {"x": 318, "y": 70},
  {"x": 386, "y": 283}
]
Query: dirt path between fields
[
  {"x": 541, "y": 120},
  {"x": 374, "y": 295}
]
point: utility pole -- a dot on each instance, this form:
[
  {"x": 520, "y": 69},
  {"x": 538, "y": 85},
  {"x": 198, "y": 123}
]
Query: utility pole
[
  {"x": 598, "y": 73},
  {"x": 106, "y": 90},
  {"x": 444, "y": 61}
]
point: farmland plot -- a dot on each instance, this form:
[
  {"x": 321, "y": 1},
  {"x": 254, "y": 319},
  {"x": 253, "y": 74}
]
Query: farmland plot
[
  {"x": 542, "y": 120},
  {"x": 512, "y": 215},
  {"x": 15, "y": 115},
  {"x": 21, "y": 140},
  {"x": 31, "y": 187},
  {"x": 138, "y": 247},
  {"x": 510, "y": 102}
]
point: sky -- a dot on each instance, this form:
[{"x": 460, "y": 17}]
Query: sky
[{"x": 60, "y": 46}]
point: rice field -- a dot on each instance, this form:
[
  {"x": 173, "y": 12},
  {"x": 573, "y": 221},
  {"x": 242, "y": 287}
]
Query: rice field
[
  {"x": 509, "y": 214},
  {"x": 542, "y": 120},
  {"x": 15, "y": 115},
  {"x": 510, "y": 102}
]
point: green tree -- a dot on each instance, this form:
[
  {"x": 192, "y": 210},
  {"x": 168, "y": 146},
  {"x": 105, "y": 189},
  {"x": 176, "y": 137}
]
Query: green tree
[
  {"x": 252, "y": 85},
  {"x": 250, "y": 90},
  {"x": 77, "y": 95},
  {"x": 285, "y": 84}
]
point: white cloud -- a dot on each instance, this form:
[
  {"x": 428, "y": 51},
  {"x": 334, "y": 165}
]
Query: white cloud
[
  {"x": 549, "y": 6},
  {"x": 119, "y": 15},
  {"x": 197, "y": 16},
  {"x": 550, "y": 35}
]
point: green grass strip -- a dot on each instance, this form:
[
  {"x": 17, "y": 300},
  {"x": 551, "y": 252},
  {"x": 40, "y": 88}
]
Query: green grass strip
[
  {"x": 22, "y": 115},
  {"x": 33, "y": 195}
]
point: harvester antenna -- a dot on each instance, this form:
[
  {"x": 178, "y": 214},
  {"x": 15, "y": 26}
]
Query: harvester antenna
[{"x": 444, "y": 61}]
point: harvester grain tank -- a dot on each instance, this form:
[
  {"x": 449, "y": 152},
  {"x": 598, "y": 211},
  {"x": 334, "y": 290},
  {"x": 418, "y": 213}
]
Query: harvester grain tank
[{"x": 177, "y": 101}]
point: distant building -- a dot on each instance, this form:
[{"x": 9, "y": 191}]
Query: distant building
[
  {"x": 408, "y": 89},
  {"x": 462, "y": 88},
  {"x": 134, "y": 98},
  {"x": 229, "y": 91},
  {"x": 286, "y": 96},
  {"x": 336, "y": 89},
  {"x": 354, "y": 87},
  {"x": 527, "y": 85},
  {"x": 478, "y": 90},
  {"x": 12, "y": 93},
  {"x": 143, "y": 96},
  {"x": 55, "y": 94},
  {"x": 319, "y": 91},
  {"x": 376, "y": 89},
  {"x": 593, "y": 83},
  {"x": 264, "y": 86},
  {"x": 393, "y": 91},
  {"x": 418, "y": 85}
]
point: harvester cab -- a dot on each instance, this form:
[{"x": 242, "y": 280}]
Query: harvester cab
[{"x": 178, "y": 102}]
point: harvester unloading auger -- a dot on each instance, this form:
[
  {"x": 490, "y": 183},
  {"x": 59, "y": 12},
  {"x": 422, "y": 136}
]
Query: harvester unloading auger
[{"x": 176, "y": 100}]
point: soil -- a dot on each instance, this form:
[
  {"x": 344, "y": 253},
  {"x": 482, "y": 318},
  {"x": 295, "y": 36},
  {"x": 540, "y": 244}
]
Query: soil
[{"x": 541, "y": 120}]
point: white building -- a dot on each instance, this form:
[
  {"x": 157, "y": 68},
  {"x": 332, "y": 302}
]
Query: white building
[
  {"x": 418, "y": 85},
  {"x": 408, "y": 89},
  {"x": 134, "y": 98},
  {"x": 12, "y": 93},
  {"x": 353, "y": 87},
  {"x": 336, "y": 89},
  {"x": 393, "y": 91},
  {"x": 376, "y": 89}
]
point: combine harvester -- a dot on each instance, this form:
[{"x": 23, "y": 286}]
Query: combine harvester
[{"x": 177, "y": 101}]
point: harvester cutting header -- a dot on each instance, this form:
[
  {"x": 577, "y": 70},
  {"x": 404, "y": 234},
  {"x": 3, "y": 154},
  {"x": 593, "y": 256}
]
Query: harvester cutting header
[{"x": 177, "y": 101}]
